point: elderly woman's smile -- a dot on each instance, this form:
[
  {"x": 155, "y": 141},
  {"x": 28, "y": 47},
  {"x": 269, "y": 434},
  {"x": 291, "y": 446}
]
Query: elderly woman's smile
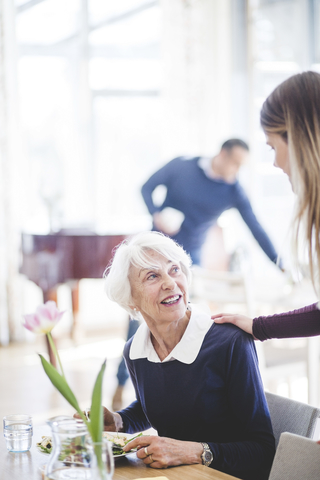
[
  {"x": 171, "y": 300},
  {"x": 159, "y": 291}
]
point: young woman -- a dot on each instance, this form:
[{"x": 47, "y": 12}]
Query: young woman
[{"x": 290, "y": 118}]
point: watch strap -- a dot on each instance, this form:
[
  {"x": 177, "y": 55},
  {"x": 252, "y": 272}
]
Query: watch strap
[{"x": 207, "y": 455}]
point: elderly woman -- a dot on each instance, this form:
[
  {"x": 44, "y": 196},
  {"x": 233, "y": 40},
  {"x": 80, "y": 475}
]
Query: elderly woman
[{"x": 196, "y": 383}]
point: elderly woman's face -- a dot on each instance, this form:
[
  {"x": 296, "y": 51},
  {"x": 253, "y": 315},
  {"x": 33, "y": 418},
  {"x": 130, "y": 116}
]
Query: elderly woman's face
[{"x": 160, "y": 293}]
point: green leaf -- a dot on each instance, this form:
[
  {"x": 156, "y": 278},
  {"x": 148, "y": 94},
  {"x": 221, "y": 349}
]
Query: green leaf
[
  {"x": 61, "y": 385},
  {"x": 96, "y": 411}
]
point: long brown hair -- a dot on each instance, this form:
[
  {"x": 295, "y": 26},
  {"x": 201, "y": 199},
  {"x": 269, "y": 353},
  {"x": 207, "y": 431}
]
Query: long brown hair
[{"x": 293, "y": 111}]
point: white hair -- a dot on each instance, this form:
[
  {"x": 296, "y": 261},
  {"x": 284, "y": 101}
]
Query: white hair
[{"x": 134, "y": 252}]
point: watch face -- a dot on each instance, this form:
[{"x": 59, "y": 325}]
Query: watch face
[{"x": 207, "y": 456}]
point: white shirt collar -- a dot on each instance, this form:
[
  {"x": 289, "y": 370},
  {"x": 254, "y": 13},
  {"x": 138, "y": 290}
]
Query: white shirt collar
[
  {"x": 205, "y": 164},
  {"x": 186, "y": 351}
]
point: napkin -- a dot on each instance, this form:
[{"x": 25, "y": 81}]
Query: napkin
[{"x": 149, "y": 478}]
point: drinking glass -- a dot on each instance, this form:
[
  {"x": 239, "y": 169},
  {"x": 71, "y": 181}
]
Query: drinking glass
[{"x": 18, "y": 431}]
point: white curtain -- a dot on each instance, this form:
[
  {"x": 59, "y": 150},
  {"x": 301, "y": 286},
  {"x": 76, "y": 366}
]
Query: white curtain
[
  {"x": 197, "y": 61},
  {"x": 10, "y": 295}
]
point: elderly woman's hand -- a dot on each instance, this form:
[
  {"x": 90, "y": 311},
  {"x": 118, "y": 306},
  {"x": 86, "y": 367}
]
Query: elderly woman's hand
[
  {"x": 112, "y": 421},
  {"x": 163, "y": 452}
]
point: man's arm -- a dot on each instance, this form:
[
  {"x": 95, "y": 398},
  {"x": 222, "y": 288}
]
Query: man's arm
[
  {"x": 161, "y": 177},
  {"x": 245, "y": 209}
]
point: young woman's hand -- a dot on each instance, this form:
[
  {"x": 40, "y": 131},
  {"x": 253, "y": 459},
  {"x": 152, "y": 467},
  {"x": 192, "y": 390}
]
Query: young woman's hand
[{"x": 241, "y": 321}]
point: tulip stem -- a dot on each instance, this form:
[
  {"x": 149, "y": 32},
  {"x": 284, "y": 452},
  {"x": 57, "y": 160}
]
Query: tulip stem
[{"x": 55, "y": 351}]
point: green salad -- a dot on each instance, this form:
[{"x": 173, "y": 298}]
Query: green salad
[{"x": 45, "y": 445}]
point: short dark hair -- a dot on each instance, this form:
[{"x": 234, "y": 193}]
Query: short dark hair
[{"x": 234, "y": 142}]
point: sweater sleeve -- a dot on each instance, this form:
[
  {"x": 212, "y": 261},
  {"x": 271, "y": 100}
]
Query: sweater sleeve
[
  {"x": 245, "y": 209},
  {"x": 133, "y": 416},
  {"x": 249, "y": 406},
  {"x": 161, "y": 177},
  {"x": 134, "y": 419},
  {"x": 304, "y": 322}
]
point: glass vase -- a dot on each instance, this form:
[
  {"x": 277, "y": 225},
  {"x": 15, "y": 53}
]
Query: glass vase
[
  {"x": 69, "y": 459},
  {"x": 101, "y": 459}
]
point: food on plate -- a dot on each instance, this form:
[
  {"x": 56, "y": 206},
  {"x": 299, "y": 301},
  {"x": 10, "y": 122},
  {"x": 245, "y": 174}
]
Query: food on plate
[
  {"x": 46, "y": 444},
  {"x": 119, "y": 440},
  {"x": 74, "y": 451}
]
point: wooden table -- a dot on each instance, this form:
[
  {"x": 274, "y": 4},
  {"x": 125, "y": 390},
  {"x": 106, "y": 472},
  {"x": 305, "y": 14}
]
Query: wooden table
[
  {"x": 131, "y": 468},
  {"x": 26, "y": 466}
]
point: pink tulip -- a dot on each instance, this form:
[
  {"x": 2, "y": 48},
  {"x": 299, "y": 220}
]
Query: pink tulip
[{"x": 44, "y": 319}]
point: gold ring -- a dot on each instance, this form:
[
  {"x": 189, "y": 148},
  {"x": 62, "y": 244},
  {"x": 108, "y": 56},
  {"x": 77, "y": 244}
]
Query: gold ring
[
  {"x": 146, "y": 451},
  {"x": 151, "y": 457}
]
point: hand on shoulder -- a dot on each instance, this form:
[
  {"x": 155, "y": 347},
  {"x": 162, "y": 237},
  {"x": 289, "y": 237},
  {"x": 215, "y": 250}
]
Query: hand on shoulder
[{"x": 241, "y": 321}]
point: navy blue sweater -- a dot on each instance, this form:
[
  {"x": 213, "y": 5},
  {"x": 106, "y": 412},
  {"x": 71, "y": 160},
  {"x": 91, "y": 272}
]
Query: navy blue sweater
[
  {"x": 218, "y": 399},
  {"x": 202, "y": 200}
]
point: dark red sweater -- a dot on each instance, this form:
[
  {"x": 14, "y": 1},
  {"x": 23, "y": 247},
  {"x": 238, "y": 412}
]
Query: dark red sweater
[{"x": 304, "y": 322}]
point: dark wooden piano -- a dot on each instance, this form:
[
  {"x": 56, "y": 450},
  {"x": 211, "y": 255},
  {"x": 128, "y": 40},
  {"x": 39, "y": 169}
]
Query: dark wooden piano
[{"x": 66, "y": 256}]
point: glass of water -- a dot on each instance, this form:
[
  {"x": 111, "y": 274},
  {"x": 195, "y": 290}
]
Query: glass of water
[{"x": 17, "y": 431}]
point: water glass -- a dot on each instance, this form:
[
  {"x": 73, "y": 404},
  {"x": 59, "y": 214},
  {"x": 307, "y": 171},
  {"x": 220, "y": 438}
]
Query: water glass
[{"x": 17, "y": 431}]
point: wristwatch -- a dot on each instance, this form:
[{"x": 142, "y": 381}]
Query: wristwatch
[{"x": 207, "y": 455}]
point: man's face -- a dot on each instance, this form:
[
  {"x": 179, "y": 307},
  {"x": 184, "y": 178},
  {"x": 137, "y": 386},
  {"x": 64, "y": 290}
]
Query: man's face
[{"x": 231, "y": 161}]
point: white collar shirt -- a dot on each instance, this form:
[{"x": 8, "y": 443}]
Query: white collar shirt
[
  {"x": 205, "y": 164},
  {"x": 186, "y": 351}
]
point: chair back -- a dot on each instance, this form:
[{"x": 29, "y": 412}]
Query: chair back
[
  {"x": 296, "y": 458},
  {"x": 294, "y": 417}
]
